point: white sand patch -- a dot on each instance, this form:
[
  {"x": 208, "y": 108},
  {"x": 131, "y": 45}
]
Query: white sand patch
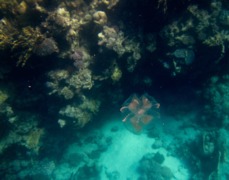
[
  {"x": 125, "y": 152},
  {"x": 127, "y": 149},
  {"x": 177, "y": 168}
]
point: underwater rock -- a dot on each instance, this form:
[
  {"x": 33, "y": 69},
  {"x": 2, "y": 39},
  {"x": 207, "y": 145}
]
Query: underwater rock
[
  {"x": 159, "y": 158},
  {"x": 90, "y": 172},
  {"x": 115, "y": 129},
  {"x": 63, "y": 172},
  {"x": 46, "y": 47},
  {"x": 157, "y": 144},
  {"x": 150, "y": 169},
  {"x": 113, "y": 175},
  {"x": 186, "y": 54},
  {"x": 38, "y": 170},
  {"x": 76, "y": 158}
]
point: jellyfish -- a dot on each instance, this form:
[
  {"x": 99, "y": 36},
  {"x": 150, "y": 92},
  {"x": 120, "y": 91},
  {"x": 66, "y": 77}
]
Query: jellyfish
[{"x": 139, "y": 112}]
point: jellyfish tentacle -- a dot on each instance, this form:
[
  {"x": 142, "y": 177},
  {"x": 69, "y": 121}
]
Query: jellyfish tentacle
[
  {"x": 123, "y": 108},
  {"x": 124, "y": 120}
]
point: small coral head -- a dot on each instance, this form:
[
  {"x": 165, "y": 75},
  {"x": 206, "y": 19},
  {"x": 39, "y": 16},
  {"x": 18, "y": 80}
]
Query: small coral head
[{"x": 77, "y": 55}]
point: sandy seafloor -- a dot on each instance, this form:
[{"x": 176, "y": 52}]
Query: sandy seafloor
[
  {"x": 108, "y": 151},
  {"x": 125, "y": 150}
]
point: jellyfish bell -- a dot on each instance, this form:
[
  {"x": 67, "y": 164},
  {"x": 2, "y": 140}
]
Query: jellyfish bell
[
  {"x": 146, "y": 103},
  {"x": 146, "y": 119},
  {"x": 133, "y": 125},
  {"x": 138, "y": 124},
  {"x": 149, "y": 102},
  {"x": 140, "y": 112},
  {"x": 131, "y": 104}
]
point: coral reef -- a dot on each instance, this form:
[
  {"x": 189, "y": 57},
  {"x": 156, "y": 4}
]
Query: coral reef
[
  {"x": 81, "y": 80},
  {"x": 79, "y": 115},
  {"x": 71, "y": 80},
  {"x": 23, "y": 132},
  {"x": 62, "y": 20},
  {"x": 24, "y": 40},
  {"x": 114, "y": 39},
  {"x": 27, "y": 39},
  {"x": 66, "y": 85},
  {"x": 197, "y": 26},
  {"x": 212, "y": 149},
  {"x": 216, "y": 94},
  {"x": 81, "y": 58},
  {"x": 7, "y": 33}
]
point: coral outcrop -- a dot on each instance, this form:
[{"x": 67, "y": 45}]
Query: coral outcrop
[{"x": 79, "y": 115}]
